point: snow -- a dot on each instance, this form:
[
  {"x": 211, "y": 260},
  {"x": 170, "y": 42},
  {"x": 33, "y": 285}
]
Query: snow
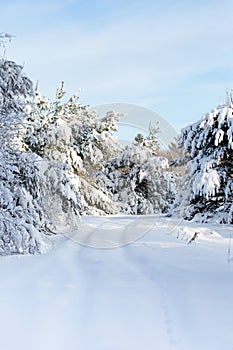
[
  {"x": 219, "y": 137},
  {"x": 121, "y": 283},
  {"x": 207, "y": 183},
  {"x": 205, "y": 192}
]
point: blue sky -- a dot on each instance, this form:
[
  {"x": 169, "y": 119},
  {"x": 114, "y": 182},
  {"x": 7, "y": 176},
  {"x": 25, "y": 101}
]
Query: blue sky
[{"x": 174, "y": 57}]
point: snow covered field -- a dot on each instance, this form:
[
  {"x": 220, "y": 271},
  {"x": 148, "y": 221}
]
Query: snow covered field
[{"x": 93, "y": 291}]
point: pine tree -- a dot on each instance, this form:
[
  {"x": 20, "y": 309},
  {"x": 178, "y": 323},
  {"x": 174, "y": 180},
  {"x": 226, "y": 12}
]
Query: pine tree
[
  {"x": 207, "y": 190},
  {"x": 25, "y": 182},
  {"x": 70, "y": 133},
  {"x": 138, "y": 180},
  {"x": 20, "y": 214}
]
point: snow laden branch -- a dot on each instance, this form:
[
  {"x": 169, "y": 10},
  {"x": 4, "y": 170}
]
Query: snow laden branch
[
  {"x": 15, "y": 91},
  {"x": 207, "y": 191}
]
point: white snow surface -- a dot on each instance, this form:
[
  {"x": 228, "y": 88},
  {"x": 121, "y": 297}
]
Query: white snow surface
[{"x": 93, "y": 291}]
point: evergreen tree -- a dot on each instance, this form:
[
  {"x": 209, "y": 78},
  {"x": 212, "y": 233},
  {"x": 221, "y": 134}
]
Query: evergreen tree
[
  {"x": 138, "y": 180},
  {"x": 70, "y": 133},
  {"x": 26, "y": 180},
  {"x": 20, "y": 215},
  {"x": 207, "y": 190}
]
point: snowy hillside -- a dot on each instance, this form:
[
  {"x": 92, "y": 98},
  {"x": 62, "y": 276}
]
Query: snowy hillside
[{"x": 159, "y": 292}]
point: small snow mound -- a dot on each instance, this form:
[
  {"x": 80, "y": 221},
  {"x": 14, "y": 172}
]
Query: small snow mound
[{"x": 192, "y": 234}]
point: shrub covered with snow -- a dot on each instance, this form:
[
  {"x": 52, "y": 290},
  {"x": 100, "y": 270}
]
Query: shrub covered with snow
[{"x": 207, "y": 190}]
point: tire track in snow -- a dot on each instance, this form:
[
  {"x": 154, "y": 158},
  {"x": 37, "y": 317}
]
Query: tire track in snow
[
  {"x": 102, "y": 275},
  {"x": 110, "y": 232},
  {"x": 144, "y": 272}
]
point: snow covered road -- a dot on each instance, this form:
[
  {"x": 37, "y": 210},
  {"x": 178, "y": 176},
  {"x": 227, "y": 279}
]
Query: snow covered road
[{"x": 156, "y": 293}]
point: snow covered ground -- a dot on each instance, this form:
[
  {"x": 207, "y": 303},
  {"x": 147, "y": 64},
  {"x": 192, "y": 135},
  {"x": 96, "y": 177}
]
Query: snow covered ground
[{"x": 94, "y": 291}]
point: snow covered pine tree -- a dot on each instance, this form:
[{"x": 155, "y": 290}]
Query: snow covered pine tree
[
  {"x": 71, "y": 134},
  {"x": 138, "y": 179},
  {"x": 23, "y": 186},
  {"x": 20, "y": 216},
  {"x": 207, "y": 191}
]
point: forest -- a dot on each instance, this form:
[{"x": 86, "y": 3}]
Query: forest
[{"x": 60, "y": 161}]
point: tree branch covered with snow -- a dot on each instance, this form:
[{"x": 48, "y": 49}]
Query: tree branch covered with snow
[
  {"x": 15, "y": 90},
  {"x": 207, "y": 191}
]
